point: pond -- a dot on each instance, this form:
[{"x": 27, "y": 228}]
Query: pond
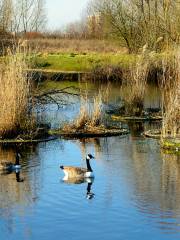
[{"x": 135, "y": 193}]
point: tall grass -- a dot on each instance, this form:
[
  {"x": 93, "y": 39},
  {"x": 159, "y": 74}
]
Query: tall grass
[
  {"x": 170, "y": 86},
  {"x": 96, "y": 112},
  {"x": 14, "y": 93},
  {"x": 83, "y": 118},
  {"x": 51, "y": 45},
  {"x": 136, "y": 81},
  {"x": 90, "y": 114}
]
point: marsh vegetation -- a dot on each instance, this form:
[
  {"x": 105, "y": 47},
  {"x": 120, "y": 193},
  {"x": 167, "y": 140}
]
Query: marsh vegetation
[
  {"x": 96, "y": 86},
  {"x": 107, "y": 45},
  {"x": 15, "y": 95},
  {"x": 171, "y": 100}
]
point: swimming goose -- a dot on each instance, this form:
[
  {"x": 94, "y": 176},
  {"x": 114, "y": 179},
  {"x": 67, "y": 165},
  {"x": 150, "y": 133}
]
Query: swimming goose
[
  {"x": 9, "y": 166},
  {"x": 78, "y": 172}
]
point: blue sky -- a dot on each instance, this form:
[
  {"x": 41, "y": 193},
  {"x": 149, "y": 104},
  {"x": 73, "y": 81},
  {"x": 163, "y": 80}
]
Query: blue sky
[{"x": 61, "y": 12}]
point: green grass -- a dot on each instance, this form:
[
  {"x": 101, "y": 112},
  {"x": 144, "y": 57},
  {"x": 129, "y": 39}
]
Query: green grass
[
  {"x": 81, "y": 62},
  {"x": 171, "y": 144}
]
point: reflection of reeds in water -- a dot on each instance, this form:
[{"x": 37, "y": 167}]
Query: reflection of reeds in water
[
  {"x": 14, "y": 92},
  {"x": 11, "y": 191},
  {"x": 7, "y": 155},
  {"x": 170, "y": 86},
  {"x": 157, "y": 183},
  {"x": 170, "y": 181},
  {"x": 136, "y": 80},
  {"x": 85, "y": 143}
]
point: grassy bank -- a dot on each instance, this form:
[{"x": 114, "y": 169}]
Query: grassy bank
[
  {"x": 81, "y": 62},
  {"x": 82, "y": 55}
]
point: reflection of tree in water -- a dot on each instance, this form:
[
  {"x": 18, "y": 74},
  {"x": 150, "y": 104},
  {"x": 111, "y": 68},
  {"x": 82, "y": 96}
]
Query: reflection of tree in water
[
  {"x": 86, "y": 143},
  {"x": 170, "y": 182},
  {"x": 136, "y": 128},
  {"x": 156, "y": 181}
]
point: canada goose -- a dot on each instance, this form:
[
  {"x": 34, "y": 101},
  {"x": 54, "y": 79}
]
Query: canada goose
[
  {"x": 9, "y": 166},
  {"x": 78, "y": 172}
]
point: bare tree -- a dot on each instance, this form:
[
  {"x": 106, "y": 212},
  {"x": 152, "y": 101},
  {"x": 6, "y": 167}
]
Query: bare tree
[
  {"x": 6, "y": 15},
  {"x": 40, "y": 19},
  {"x": 140, "y": 22},
  {"x": 29, "y": 15}
]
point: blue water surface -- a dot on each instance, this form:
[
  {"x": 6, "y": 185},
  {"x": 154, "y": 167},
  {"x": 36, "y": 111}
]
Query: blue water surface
[{"x": 136, "y": 192}]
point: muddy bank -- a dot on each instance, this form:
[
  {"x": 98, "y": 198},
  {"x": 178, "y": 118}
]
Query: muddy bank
[{"x": 89, "y": 134}]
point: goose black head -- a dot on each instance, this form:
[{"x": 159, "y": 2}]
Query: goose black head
[{"x": 89, "y": 156}]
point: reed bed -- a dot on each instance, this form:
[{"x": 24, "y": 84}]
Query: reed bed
[
  {"x": 14, "y": 93},
  {"x": 170, "y": 86},
  {"x": 90, "y": 115},
  {"x": 136, "y": 80}
]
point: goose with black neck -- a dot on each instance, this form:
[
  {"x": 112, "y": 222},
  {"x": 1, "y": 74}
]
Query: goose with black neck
[{"x": 79, "y": 172}]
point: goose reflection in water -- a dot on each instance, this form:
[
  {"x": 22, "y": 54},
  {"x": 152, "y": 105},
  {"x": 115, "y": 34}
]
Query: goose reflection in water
[
  {"x": 89, "y": 194},
  {"x": 89, "y": 181}
]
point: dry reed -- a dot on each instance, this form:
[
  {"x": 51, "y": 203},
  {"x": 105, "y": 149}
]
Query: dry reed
[
  {"x": 14, "y": 92},
  {"x": 50, "y": 45},
  {"x": 96, "y": 111},
  {"x": 83, "y": 118},
  {"x": 136, "y": 80},
  {"x": 170, "y": 86},
  {"x": 90, "y": 115}
]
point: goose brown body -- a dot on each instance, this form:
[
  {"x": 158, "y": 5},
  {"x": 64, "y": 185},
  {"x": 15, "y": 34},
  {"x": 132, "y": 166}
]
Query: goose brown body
[
  {"x": 78, "y": 172},
  {"x": 73, "y": 172}
]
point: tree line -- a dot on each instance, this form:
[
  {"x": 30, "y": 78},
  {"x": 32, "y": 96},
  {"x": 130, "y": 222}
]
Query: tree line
[
  {"x": 134, "y": 23},
  {"x": 22, "y": 16}
]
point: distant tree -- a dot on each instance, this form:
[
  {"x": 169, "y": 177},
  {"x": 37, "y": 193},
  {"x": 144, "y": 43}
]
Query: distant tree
[
  {"x": 29, "y": 15},
  {"x": 77, "y": 29},
  {"x": 140, "y": 22},
  {"x": 40, "y": 17},
  {"x": 6, "y": 15}
]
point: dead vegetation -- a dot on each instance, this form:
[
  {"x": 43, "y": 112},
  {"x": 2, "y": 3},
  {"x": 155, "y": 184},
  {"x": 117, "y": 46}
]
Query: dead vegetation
[
  {"x": 14, "y": 94},
  {"x": 136, "y": 80},
  {"x": 170, "y": 86},
  {"x": 90, "y": 115},
  {"x": 113, "y": 73},
  {"x": 50, "y": 45}
]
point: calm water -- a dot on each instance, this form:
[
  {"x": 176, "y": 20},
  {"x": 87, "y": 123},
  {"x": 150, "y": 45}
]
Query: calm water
[{"x": 136, "y": 191}]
